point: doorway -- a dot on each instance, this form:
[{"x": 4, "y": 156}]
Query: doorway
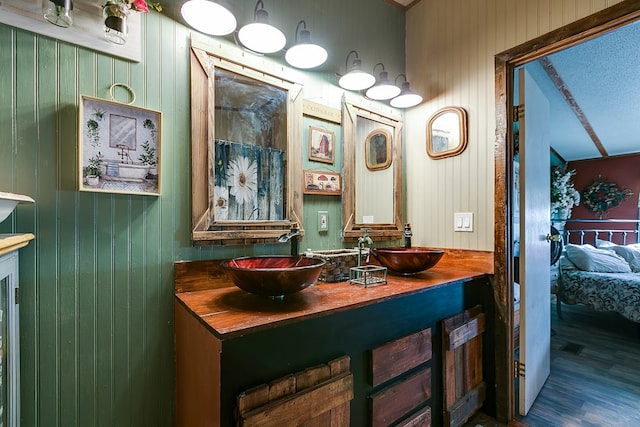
[{"x": 506, "y": 62}]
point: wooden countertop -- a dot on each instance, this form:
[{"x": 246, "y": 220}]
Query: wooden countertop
[
  {"x": 11, "y": 242},
  {"x": 229, "y": 311}
]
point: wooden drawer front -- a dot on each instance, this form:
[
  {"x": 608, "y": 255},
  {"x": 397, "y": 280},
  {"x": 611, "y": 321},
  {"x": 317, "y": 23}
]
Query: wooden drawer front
[
  {"x": 399, "y": 356},
  {"x": 393, "y": 402},
  {"x": 464, "y": 388},
  {"x": 317, "y": 396},
  {"x": 422, "y": 418}
]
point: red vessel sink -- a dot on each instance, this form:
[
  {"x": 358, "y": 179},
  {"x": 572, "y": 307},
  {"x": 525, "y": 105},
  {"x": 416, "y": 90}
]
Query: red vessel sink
[
  {"x": 273, "y": 276},
  {"x": 407, "y": 260}
]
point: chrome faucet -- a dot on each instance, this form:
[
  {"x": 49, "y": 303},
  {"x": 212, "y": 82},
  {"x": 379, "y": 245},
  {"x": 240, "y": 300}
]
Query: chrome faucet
[
  {"x": 293, "y": 237},
  {"x": 365, "y": 239}
]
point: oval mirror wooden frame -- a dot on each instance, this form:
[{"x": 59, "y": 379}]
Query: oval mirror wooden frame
[
  {"x": 442, "y": 138},
  {"x": 374, "y": 150}
]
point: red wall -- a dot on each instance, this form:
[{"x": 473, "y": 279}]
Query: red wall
[{"x": 623, "y": 171}]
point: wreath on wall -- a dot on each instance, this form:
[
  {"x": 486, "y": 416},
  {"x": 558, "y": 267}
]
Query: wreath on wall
[{"x": 601, "y": 196}]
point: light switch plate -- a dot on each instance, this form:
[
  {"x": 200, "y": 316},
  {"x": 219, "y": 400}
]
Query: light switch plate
[
  {"x": 463, "y": 221},
  {"x": 323, "y": 221}
]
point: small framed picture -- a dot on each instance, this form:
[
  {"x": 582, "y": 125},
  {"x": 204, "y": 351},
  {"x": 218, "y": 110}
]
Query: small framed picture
[
  {"x": 321, "y": 145},
  {"x": 119, "y": 148},
  {"x": 322, "y": 182}
]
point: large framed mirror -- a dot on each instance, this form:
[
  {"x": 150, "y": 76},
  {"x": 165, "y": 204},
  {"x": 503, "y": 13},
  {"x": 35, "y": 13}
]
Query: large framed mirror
[
  {"x": 447, "y": 132},
  {"x": 372, "y": 175},
  {"x": 246, "y": 155}
]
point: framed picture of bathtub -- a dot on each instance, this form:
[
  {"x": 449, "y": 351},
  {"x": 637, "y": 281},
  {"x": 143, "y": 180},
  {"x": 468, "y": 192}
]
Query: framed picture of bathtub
[{"x": 119, "y": 148}]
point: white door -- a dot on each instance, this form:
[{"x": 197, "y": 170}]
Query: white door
[{"x": 535, "y": 316}]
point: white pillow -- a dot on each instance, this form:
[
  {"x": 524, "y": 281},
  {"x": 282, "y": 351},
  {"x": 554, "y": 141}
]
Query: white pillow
[
  {"x": 630, "y": 253},
  {"x": 589, "y": 258},
  {"x": 604, "y": 243}
]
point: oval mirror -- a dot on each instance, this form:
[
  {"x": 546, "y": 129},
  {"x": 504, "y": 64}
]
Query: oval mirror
[
  {"x": 377, "y": 150},
  {"x": 447, "y": 132}
]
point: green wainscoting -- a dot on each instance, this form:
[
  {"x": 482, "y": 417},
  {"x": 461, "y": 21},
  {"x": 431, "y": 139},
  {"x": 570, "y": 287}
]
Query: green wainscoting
[
  {"x": 96, "y": 284},
  {"x": 96, "y": 298}
]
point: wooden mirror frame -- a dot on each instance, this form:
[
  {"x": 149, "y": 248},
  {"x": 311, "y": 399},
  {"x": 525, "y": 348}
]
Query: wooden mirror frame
[
  {"x": 367, "y": 150},
  {"x": 351, "y": 229},
  {"x": 205, "y": 229},
  {"x": 462, "y": 119}
]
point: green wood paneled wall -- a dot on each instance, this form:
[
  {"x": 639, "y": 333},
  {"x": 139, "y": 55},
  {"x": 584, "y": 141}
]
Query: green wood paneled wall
[{"x": 96, "y": 298}]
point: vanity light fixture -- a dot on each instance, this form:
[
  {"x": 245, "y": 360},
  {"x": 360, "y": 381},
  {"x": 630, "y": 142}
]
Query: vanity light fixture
[
  {"x": 383, "y": 89},
  {"x": 356, "y": 79},
  {"x": 259, "y": 36},
  {"x": 407, "y": 97},
  {"x": 208, "y": 17},
  {"x": 305, "y": 54}
]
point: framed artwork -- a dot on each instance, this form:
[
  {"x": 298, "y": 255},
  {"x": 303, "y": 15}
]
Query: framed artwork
[
  {"x": 119, "y": 148},
  {"x": 322, "y": 182},
  {"x": 321, "y": 145},
  {"x": 377, "y": 150}
]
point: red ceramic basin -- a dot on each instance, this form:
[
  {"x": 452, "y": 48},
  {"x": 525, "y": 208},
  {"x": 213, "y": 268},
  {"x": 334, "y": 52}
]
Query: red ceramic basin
[
  {"x": 407, "y": 261},
  {"x": 273, "y": 276}
]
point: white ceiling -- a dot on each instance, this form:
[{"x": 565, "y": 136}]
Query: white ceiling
[{"x": 602, "y": 76}]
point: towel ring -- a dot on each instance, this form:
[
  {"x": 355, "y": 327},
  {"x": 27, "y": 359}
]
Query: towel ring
[{"x": 132, "y": 94}]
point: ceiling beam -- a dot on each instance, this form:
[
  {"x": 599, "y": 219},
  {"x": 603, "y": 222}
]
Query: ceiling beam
[{"x": 568, "y": 96}]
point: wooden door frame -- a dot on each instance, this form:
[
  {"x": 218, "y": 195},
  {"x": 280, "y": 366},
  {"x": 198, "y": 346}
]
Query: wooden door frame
[{"x": 585, "y": 29}]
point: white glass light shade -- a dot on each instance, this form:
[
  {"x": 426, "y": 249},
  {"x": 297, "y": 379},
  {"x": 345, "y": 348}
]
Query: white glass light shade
[
  {"x": 262, "y": 38},
  {"x": 208, "y": 17},
  {"x": 306, "y": 55},
  {"x": 407, "y": 98},
  {"x": 383, "y": 92},
  {"x": 356, "y": 80},
  {"x": 383, "y": 89}
]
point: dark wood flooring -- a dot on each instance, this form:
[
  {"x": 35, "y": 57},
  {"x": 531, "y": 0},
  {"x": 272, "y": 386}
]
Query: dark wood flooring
[{"x": 595, "y": 372}]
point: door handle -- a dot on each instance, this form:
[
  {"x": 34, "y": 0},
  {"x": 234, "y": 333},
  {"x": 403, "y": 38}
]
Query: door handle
[{"x": 553, "y": 238}]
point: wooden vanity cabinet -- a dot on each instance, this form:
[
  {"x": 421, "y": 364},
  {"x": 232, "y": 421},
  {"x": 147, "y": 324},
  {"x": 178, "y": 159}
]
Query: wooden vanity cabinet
[{"x": 213, "y": 368}]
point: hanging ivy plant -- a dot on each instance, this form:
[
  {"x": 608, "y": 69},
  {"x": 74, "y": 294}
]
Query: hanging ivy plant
[
  {"x": 601, "y": 196},
  {"x": 92, "y": 128}
]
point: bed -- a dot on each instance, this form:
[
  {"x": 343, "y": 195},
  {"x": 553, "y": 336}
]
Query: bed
[{"x": 600, "y": 269}]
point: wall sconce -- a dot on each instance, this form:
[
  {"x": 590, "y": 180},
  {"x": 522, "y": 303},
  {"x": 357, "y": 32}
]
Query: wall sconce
[
  {"x": 208, "y": 17},
  {"x": 58, "y": 12},
  {"x": 305, "y": 54},
  {"x": 383, "y": 89},
  {"x": 356, "y": 79},
  {"x": 407, "y": 97},
  {"x": 259, "y": 36}
]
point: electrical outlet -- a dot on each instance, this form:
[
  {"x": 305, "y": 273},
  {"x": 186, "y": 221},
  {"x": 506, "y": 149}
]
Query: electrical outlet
[{"x": 323, "y": 221}]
